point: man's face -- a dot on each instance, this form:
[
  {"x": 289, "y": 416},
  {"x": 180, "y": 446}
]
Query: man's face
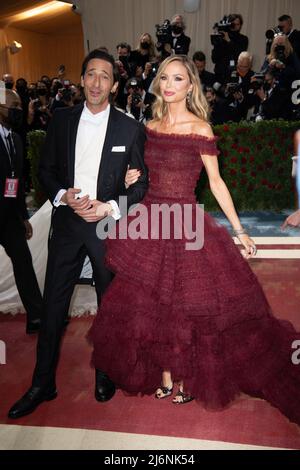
[
  {"x": 285, "y": 26},
  {"x": 243, "y": 66},
  {"x": 200, "y": 64},
  {"x": 210, "y": 96},
  {"x": 137, "y": 90},
  {"x": 9, "y": 81},
  {"x": 12, "y": 101},
  {"x": 122, "y": 52},
  {"x": 98, "y": 83},
  {"x": 269, "y": 80},
  {"x": 236, "y": 25}
]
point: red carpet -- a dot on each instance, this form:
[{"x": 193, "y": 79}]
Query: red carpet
[{"x": 247, "y": 421}]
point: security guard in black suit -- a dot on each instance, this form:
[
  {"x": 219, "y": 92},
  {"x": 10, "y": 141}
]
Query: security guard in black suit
[{"x": 15, "y": 228}]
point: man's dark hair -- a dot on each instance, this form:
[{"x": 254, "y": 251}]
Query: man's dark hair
[
  {"x": 21, "y": 79},
  {"x": 200, "y": 56},
  {"x": 235, "y": 16},
  {"x": 102, "y": 55},
  {"x": 124, "y": 45},
  {"x": 284, "y": 18}
]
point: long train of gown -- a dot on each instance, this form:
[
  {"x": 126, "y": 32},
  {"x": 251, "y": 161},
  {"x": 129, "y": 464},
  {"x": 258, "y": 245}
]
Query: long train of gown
[{"x": 200, "y": 314}]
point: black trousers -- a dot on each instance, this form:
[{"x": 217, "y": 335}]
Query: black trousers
[
  {"x": 13, "y": 240},
  {"x": 71, "y": 240}
]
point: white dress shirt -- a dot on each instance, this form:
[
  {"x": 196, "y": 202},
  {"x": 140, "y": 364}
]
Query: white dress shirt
[{"x": 88, "y": 151}]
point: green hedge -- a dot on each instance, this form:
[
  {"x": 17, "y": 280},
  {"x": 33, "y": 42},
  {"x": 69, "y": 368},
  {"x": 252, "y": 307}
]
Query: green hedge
[
  {"x": 255, "y": 162},
  {"x": 36, "y": 141}
]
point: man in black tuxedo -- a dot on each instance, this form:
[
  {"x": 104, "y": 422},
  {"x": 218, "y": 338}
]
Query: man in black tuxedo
[
  {"x": 286, "y": 26},
  {"x": 87, "y": 151},
  {"x": 15, "y": 228},
  {"x": 180, "y": 42}
]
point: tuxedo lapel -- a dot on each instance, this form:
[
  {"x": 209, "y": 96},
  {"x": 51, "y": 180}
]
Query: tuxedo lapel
[
  {"x": 72, "y": 134},
  {"x": 108, "y": 144},
  {"x": 4, "y": 154}
]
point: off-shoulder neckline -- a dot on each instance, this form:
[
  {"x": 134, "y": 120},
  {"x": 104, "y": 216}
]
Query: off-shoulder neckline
[{"x": 191, "y": 135}]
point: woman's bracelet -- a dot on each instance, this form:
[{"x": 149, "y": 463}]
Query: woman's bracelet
[{"x": 241, "y": 231}]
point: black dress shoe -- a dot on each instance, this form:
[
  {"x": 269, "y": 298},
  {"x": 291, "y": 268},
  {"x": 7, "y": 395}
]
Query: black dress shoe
[
  {"x": 105, "y": 388},
  {"x": 33, "y": 327},
  {"x": 32, "y": 398}
]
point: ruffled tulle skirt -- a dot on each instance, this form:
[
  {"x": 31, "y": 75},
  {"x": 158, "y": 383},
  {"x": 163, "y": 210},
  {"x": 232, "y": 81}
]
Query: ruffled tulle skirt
[{"x": 200, "y": 314}]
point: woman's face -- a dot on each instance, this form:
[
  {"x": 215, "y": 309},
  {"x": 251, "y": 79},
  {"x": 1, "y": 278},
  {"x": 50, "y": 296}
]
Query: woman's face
[
  {"x": 146, "y": 38},
  {"x": 174, "y": 83}
]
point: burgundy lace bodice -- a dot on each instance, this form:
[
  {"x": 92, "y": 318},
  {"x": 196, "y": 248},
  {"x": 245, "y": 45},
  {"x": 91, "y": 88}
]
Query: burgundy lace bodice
[{"x": 174, "y": 162}]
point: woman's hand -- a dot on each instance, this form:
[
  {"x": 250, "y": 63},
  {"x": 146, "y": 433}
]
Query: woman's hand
[
  {"x": 249, "y": 245},
  {"x": 131, "y": 176}
]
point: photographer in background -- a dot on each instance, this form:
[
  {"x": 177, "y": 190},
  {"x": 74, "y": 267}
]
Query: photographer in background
[
  {"x": 171, "y": 38},
  {"x": 228, "y": 43},
  {"x": 207, "y": 79},
  {"x": 286, "y": 26},
  {"x": 180, "y": 42},
  {"x": 145, "y": 52},
  {"x": 39, "y": 113},
  {"x": 274, "y": 100},
  {"x": 64, "y": 97},
  {"x": 283, "y": 61},
  {"x": 138, "y": 101},
  {"x": 123, "y": 54}
]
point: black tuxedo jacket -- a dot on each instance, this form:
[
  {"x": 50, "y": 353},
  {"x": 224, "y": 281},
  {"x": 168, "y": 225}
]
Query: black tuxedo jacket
[
  {"x": 12, "y": 207},
  {"x": 57, "y": 162},
  {"x": 182, "y": 44},
  {"x": 294, "y": 38}
]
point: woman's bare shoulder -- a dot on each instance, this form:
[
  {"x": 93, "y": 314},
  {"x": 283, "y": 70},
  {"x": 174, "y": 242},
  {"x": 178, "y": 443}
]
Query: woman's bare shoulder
[{"x": 202, "y": 127}]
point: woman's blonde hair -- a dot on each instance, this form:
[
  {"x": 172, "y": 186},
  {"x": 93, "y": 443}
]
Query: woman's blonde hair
[
  {"x": 288, "y": 47},
  {"x": 196, "y": 102},
  {"x": 151, "y": 48}
]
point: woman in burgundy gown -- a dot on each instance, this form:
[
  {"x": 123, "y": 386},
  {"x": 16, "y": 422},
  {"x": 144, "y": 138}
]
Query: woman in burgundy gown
[{"x": 195, "y": 318}]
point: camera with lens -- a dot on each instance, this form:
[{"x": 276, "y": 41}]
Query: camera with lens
[
  {"x": 280, "y": 53},
  {"x": 270, "y": 33},
  {"x": 257, "y": 83},
  {"x": 234, "y": 85},
  {"x": 136, "y": 97},
  {"x": 164, "y": 32},
  {"x": 224, "y": 26}
]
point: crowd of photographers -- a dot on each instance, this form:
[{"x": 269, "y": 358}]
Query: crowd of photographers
[{"x": 234, "y": 90}]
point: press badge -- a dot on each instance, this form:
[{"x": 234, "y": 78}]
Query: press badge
[{"x": 11, "y": 187}]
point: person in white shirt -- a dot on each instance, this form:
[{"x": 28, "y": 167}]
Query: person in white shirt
[{"x": 87, "y": 152}]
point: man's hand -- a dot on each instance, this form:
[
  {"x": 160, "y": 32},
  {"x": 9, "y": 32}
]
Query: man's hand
[
  {"x": 28, "y": 229},
  {"x": 97, "y": 211},
  {"x": 81, "y": 203},
  {"x": 129, "y": 100},
  {"x": 226, "y": 36}
]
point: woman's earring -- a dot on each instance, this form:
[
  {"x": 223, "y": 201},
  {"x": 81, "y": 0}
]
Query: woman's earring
[{"x": 188, "y": 98}]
